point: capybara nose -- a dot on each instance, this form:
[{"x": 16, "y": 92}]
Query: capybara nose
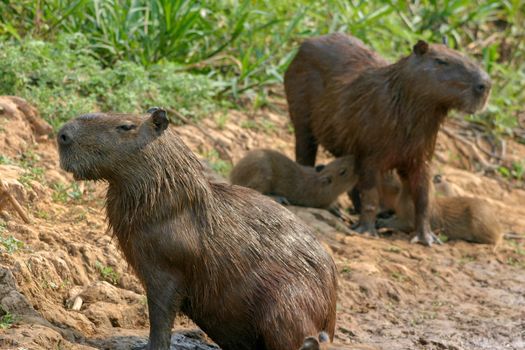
[
  {"x": 483, "y": 85},
  {"x": 64, "y": 138},
  {"x": 480, "y": 88}
]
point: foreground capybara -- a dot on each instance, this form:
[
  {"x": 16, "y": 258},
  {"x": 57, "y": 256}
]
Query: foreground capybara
[
  {"x": 465, "y": 218},
  {"x": 345, "y": 97},
  {"x": 241, "y": 266},
  {"x": 272, "y": 173}
]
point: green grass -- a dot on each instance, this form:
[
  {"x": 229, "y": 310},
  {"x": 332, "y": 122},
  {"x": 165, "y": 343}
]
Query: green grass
[
  {"x": 217, "y": 164},
  {"x": 7, "y": 319},
  {"x": 196, "y": 56},
  {"x": 9, "y": 244},
  {"x": 63, "y": 193},
  {"x": 107, "y": 273}
]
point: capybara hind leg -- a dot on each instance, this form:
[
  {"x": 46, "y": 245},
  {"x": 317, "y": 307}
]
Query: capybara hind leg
[
  {"x": 163, "y": 303},
  {"x": 305, "y": 146},
  {"x": 285, "y": 339}
]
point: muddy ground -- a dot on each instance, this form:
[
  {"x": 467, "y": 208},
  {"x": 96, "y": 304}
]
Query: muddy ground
[{"x": 64, "y": 284}]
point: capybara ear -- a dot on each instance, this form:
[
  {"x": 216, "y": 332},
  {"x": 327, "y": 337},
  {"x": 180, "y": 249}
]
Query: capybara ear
[
  {"x": 159, "y": 118},
  {"x": 319, "y": 167},
  {"x": 152, "y": 109},
  {"x": 421, "y": 48}
]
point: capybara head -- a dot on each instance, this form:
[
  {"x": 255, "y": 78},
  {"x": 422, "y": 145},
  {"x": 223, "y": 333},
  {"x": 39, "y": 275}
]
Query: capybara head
[
  {"x": 447, "y": 77},
  {"x": 340, "y": 171},
  {"x": 95, "y": 146}
]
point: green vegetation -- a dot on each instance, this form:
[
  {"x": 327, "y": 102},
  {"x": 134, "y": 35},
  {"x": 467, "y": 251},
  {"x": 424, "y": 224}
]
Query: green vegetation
[
  {"x": 69, "y": 57},
  {"x": 107, "y": 273},
  {"x": 63, "y": 193},
  {"x": 517, "y": 171},
  {"x": 443, "y": 237},
  {"x": 7, "y": 319},
  {"x": 9, "y": 244},
  {"x": 217, "y": 164}
]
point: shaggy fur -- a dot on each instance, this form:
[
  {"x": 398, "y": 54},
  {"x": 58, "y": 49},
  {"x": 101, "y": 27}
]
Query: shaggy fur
[{"x": 241, "y": 266}]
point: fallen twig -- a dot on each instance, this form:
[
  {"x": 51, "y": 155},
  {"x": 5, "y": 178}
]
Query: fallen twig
[
  {"x": 6, "y": 196},
  {"x": 472, "y": 148}
]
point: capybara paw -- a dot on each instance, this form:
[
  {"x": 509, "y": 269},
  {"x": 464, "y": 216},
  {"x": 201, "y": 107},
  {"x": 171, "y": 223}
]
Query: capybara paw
[
  {"x": 281, "y": 200},
  {"x": 384, "y": 222},
  {"x": 365, "y": 229},
  {"x": 426, "y": 238}
]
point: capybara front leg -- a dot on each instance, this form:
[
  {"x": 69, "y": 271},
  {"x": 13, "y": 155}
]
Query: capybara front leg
[
  {"x": 419, "y": 181},
  {"x": 305, "y": 146},
  {"x": 355, "y": 197},
  {"x": 369, "y": 203},
  {"x": 163, "y": 303}
]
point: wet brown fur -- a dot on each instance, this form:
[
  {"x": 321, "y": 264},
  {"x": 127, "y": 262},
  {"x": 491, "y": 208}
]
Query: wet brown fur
[
  {"x": 272, "y": 173},
  {"x": 345, "y": 97},
  {"x": 464, "y": 218},
  {"x": 241, "y": 266}
]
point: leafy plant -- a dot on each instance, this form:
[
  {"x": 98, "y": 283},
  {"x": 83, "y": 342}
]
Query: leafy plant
[
  {"x": 107, "y": 273},
  {"x": 62, "y": 193},
  {"x": 137, "y": 53},
  {"x": 7, "y": 319},
  {"x": 218, "y": 165},
  {"x": 10, "y": 244}
]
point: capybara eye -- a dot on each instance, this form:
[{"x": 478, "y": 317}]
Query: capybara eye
[
  {"x": 441, "y": 62},
  {"x": 342, "y": 171},
  {"x": 126, "y": 127}
]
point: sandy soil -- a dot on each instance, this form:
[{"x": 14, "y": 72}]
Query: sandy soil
[{"x": 392, "y": 294}]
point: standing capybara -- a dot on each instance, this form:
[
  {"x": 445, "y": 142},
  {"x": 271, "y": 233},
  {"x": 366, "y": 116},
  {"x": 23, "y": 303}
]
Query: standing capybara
[
  {"x": 345, "y": 97},
  {"x": 241, "y": 266},
  {"x": 273, "y": 173},
  {"x": 465, "y": 218}
]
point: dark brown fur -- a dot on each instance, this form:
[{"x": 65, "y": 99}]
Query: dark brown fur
[
  {"x": 345, "y": 97},
  {"x": 272, "y": 173},
  {"x": 465, "y": 218},
  {"x": 241, "y": 266}
]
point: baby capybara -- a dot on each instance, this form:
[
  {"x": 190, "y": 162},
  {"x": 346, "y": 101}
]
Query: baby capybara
[
  {"x": 272, "y": 173},
  {"x": 457, "y": 217},
  {"x": 241, "y": 266},
  {"x": 345, "y": 97}
]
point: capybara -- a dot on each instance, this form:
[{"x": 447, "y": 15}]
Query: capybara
[
  {"x": 272, "y": 173},
  {"x": 241, "y": 266},
  {"x": 345, "y": 97},
  {"x": 465, "y": 218},
  {"x": 391, "y": 189}
]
